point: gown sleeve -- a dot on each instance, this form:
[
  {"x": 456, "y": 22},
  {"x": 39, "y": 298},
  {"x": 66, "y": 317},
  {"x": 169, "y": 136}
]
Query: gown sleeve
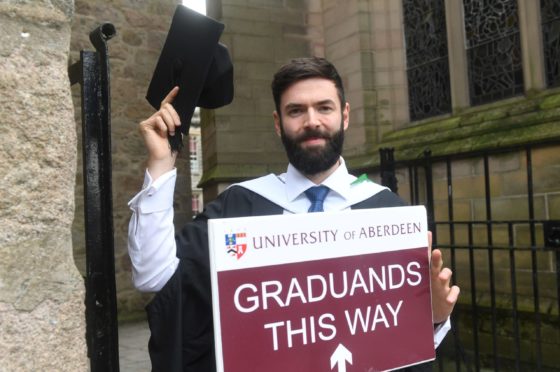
[{"x": 180, "y": 314}]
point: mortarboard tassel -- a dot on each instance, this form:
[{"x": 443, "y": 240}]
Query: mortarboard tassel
[{"x": 176, "y": 141}]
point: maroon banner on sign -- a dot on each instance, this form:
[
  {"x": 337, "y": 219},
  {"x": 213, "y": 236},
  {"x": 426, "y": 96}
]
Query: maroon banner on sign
[{"x": 361, "y": 313}]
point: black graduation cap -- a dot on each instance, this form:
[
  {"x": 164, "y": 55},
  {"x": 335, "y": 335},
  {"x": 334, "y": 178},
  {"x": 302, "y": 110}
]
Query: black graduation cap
[{"x": 193, "y": 59}]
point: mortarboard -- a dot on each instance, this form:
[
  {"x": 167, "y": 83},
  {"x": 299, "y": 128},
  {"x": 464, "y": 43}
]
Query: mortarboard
[{"x": 193, "y": 59}]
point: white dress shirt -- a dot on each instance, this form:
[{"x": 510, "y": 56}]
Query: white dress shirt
[{"x": 151, "y": 234}]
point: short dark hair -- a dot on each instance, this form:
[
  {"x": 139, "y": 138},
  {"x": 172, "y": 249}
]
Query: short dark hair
[{"x": 305, "y": 68}]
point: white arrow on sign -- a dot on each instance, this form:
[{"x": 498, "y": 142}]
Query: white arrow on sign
[{"x": 340, "y": 356}]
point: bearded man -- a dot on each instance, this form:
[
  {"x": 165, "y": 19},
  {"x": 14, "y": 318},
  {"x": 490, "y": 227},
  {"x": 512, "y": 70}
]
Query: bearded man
[{"x": 311, "y": 116}]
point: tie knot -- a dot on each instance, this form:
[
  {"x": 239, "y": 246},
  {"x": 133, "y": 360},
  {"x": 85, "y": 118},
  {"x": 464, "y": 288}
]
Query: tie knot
[{"x": 316, "y": 196}]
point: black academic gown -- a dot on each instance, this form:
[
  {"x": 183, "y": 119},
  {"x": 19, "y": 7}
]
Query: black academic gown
[{"x": 180, "y": 315}]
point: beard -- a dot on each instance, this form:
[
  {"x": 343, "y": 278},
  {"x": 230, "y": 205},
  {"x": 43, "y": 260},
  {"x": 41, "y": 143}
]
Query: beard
[{"x": 315, "y": 159}]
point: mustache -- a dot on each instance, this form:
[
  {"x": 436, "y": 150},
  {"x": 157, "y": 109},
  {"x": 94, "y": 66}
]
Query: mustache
[{"x": 312, "y": 133}]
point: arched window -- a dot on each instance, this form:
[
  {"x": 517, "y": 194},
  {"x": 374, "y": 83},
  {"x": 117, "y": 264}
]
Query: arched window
[
  {"x": 427, "y": 58},
  {"x": 550, "y": 15},
  {"x": 493, "y": 50}
]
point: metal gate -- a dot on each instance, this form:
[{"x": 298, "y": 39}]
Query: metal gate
[{"x": 504, "y": 251}]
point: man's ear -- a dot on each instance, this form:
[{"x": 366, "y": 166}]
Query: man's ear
[
  {"x": 346, "y": 115},
  {"x": 277, "y": 123}
]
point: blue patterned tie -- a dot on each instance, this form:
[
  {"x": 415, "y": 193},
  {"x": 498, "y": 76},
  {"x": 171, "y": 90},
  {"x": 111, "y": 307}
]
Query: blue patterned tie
[{"x": 316, "y": 196}]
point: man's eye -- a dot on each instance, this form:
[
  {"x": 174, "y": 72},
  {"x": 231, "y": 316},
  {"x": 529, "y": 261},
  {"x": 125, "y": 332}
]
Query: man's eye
[
  {"x": 294, "y": 111},
  {"x": 325, "y": 109}
]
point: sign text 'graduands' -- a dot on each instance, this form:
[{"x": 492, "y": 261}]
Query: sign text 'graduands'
[{"x": 332, "y": 291}]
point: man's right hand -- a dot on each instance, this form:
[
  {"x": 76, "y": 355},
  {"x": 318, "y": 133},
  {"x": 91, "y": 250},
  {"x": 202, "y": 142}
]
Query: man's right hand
[{"x": 154, "y": 131}]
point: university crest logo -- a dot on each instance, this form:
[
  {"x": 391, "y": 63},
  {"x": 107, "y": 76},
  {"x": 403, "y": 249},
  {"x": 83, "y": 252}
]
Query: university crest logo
[{"x": 236, "y": 245}]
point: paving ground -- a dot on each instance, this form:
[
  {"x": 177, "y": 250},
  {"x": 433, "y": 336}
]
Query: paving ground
[{"x": 133, "y": 347}]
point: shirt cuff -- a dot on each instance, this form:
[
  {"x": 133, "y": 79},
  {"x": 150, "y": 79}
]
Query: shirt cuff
[
  {"x": 156, "y": 196},
  {"x": 440, "y": 331}
]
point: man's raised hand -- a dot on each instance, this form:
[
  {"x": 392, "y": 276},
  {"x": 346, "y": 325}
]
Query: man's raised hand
[
  {"x": 154, "y": 131},
  {"x": 444, "y": 296}
]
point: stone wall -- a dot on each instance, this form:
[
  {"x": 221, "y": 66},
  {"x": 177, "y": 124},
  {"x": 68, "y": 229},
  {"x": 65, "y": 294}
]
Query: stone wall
[
  {"x": 141, "y": 30},
  {"x": 348, "y": 46},
  {"x": 41, "y": 292},
  {"x": 363, "y": 38},
  {"x": 239, "y": 141}
]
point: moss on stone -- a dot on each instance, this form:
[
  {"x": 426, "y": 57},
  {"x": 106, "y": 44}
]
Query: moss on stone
[
  {"x": 425, "y": 128},
  {"x": 506, "y": 123},
  {"x": 523, "y": 107},
  {"x": 550, "y": 102}
]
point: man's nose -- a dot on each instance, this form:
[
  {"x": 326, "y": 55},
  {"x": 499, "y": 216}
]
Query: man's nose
[{"x": 312, "y": 119}]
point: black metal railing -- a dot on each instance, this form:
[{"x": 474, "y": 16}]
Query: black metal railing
[
  {"x": 92, "y": 73},
  {"x": 508, "y": 269}
]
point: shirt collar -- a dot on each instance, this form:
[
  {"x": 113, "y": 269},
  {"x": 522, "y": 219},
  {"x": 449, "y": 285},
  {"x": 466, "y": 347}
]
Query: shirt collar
[{"x": 339, "y": 181}]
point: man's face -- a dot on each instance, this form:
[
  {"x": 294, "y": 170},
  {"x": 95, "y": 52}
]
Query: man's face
[{"x": 311, "y": 124}]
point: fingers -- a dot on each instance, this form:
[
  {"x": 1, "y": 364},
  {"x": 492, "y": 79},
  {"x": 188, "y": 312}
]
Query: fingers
[
  {"x": 168, "y": 113},
  {"x": 160, "y": 125},
  {"x": 436, "y": 262},
  {"x": 170, "y": 96},
  {"x": 443, "y": 307},
  {"x": 449, "y": 304},
  {"x": 445, "y": 275},
  {"x": 443, "y": 302},
  {"x": 170, "y": 117},
  {"x": 444, "y": 296},
  {"x": 453, "y": 295},
  {"x": 171, "y": 110},
  {"x": 429, "y": 245},
  {"x": 165, "y": 120}
]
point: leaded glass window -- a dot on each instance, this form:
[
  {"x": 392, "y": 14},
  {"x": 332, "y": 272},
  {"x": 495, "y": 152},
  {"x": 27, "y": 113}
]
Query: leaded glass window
[
  {"x": 427, "y": 61},
  {"x": 550, "y": 15},
  {"x": 493, "y": 50}
]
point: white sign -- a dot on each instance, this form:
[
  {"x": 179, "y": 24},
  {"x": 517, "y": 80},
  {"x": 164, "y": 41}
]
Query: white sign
[{"x": 323, "y": 291}]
